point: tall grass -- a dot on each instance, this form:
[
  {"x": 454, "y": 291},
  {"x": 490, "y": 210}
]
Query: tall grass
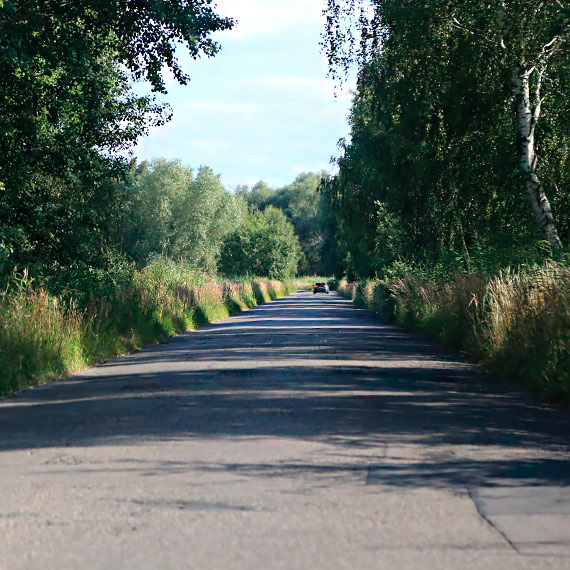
[
  {"x": 516, "y": 322},
  {"x": 43, "y": 336},
  {"x": 39, "y": 337}
]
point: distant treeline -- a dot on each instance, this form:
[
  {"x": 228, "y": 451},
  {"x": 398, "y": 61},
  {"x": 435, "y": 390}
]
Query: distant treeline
[
  {"x": 165, "y": 209},
  {"x": 172, "y": 211},
  {"x": 311, "y": 215}
]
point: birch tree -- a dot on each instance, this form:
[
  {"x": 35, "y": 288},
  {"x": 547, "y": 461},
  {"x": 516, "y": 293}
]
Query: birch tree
[
  {"x": 532, "y": 36},
  {"x": 529, "y": 36}
]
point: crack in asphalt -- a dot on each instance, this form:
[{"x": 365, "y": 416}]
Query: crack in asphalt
[{"x": 471, "y": 492}]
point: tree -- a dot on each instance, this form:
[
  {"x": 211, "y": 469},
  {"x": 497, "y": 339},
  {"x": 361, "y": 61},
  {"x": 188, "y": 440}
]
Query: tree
[
  {"x": 532, "y": 37},
  {"x": 429, "y": 150},
  {"x": 258, "y": 196},
  {"x": 174, "y": 213},
  {"x": 309, "y": 213},
  {"x": 523, "y": 40},
  {"x": 265, "y": 245},
  {"x": 66, "y": 109}
]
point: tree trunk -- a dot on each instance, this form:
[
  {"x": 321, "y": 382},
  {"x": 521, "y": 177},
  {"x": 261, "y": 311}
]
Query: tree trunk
[{"x": 526, "y": 123}]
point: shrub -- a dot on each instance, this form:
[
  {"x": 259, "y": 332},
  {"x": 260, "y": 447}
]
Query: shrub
[{"x": 265, "y": 245}]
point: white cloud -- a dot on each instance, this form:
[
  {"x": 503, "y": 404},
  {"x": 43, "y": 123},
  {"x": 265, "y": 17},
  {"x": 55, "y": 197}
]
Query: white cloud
[
  {"x": 263, "y": 18},
  {"x": 319, "y": 86},
  {"x": 201, "y": 108},
  {"x": 261, "y": 109}
]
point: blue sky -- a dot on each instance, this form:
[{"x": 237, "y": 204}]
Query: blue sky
[{"x": 263, "y": 108}]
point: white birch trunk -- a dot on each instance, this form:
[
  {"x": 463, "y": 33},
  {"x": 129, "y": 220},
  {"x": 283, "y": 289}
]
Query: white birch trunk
[{"x": 526, "y": 123}]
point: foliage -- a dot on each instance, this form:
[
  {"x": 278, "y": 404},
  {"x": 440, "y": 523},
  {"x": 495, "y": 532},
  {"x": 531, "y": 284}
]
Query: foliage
[
  {"x": 309, "y": 212},
  {"x": 516, "y": 322},
  {"x": 171, "y": 212},
  {"x": 43, "y": 336},
  {"x": 265, "y": 244},
  {"x": 433, "y": 137},
  {"x": 40, "y": 337},
  {"x": 258, "y": 196},
  {"x": 310, "y": 215},
  {"x": 67, "y": 108}
]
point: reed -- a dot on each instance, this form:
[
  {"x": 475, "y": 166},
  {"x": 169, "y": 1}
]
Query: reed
[{"x": 39, "y": 336}]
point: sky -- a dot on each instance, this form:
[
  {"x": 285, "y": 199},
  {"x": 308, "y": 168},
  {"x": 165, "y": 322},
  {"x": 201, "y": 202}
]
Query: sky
[{"x": 263, "y": 107}]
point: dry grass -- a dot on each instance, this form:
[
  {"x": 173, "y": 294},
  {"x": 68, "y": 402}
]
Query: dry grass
[
  {"x": 517, "y": 322},
  {"x": 524, "y": 325},
  {"x": 44, "y": 338}
]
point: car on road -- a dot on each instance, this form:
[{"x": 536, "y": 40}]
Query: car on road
[{"x": 320, "y": 287}]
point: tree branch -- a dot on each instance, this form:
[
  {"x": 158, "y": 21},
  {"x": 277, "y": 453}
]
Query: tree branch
[
  {"x": 550, "y": 45},
  {"x": 537, "y": 98},
  {"x": 478, "y": 33}
]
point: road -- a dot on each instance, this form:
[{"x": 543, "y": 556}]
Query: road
[{"x": 303, "y": 434}]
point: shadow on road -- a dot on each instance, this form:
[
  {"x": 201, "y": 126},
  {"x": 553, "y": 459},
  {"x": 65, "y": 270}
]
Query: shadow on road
[{"x": 312, "y": 368}]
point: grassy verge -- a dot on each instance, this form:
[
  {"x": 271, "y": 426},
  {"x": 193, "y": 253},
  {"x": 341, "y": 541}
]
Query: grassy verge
[
  {"x": 516, "y": 323},
  {"x": 43, "y": 337}
]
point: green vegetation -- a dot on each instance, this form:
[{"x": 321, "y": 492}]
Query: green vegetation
[
  {"x": 86, "y": 235},
  {"x": 440, "y": 166},
  {"x": 452, "y": 194},
  {"x": 68, "y": 108},
  {"x": 44, "y": 336},
  {"x": 265, "y": 244},
  {"x": 450, "y": 205},
  {"x": 309, "y": 213},
  {"x": 517, "y": 323},
  {"x": 170, "y": 211}
]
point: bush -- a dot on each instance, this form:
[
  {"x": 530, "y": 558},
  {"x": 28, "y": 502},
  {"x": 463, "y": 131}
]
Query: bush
[{"x": 265, "y": 244}]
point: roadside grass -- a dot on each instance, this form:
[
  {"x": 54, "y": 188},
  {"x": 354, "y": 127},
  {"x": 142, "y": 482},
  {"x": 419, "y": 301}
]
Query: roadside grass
[
  {"x": 44, "y": 337},
  {"x": 516, "y": 323}
]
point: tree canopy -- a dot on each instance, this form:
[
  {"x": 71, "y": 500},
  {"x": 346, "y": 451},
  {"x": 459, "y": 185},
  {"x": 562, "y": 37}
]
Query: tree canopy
[
  {"x": 67, "y": 108},
  {"x": 309, "y": 212},
  {"x": 172, "y": 212},
  {"x": 265, "y": 245},
  {"x": 459, "y": 112}
]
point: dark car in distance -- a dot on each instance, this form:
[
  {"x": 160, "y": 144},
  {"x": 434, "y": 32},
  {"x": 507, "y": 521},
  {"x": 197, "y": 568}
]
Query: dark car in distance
[{"x": 320, "y": 287}]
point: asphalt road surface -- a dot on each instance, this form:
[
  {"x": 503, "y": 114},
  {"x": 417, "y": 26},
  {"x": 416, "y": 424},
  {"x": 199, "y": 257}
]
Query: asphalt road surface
[{"x": 303, "y": 434}]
